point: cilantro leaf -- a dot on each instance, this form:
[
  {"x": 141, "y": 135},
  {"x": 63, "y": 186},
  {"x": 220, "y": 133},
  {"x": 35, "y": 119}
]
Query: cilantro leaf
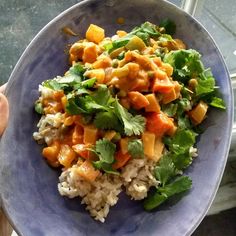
[
  {"x": 218, "y": 103},
  {"x": 105, "y": 167},
  {"x": 179, "y": 185},
  {"x": 133, "y": 125},
  {"x": 135, "y": 148},
  {"x": 52, "y": 84},
  {"x": 205, "y": 83},
  {"x": 144, "y": 32},
  {"x": 165, "y": 170},
  {"x": 186, "y": 64},
  {"x": 77, "y": 70},
  {"x": 182, "y": 140},
  {"x": 107, "y": 120},
  {"x": 105, "y": 151},
  {"x": 179, "y": 146},
  {"x": 102, "y": 95}
]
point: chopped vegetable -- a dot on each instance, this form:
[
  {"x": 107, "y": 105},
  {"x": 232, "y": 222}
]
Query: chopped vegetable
[{"x": 95, "y": 33}]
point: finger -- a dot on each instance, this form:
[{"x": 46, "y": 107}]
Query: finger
[
  {"x": 4, "y": 113},
  {"x": 3, "y": 87}
]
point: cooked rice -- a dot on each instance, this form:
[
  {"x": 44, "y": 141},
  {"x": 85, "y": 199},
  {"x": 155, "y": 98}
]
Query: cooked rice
[
  {"x": 136, "y": 177},
  {"x": 103, "y": 193}
]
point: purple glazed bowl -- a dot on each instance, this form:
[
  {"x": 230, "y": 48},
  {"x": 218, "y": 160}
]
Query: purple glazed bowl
[{"x": 28, "y": 186}]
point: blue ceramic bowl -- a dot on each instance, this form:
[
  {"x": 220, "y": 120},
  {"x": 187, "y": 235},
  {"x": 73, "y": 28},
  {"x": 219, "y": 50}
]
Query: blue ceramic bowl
[{"x": 29, "y": 187}]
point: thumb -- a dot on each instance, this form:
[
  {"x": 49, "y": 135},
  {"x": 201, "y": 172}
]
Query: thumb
[{"x": 4, "y": 113}]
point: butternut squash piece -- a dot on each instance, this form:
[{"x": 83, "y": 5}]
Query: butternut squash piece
[
  {"x": 99, "y": 74},
  {"x": 138, "y": 100},
  {"x": 153, "y": 105},
  {"x": 169, "y": 97},
  {"x": 95, "y": 33},
  {"x": 87, "y": 171},
  {"x": 167, "y": 68},
  {"x": 134, "y": 69},
  {"x": 90, "y": 134},
  {"x": 121, "y": 33},
  {"x": 121, "y": 159},
  {"x": 158, "y": 149},
  {"x": 66, "y": 155},
  {"x": 110, "y": 134},
  {"x": 77, "y": 135},
  {"x": 148, "y": 139},
  {"x": 198, "y": 113},
  {"x": 51, "y": 152},
  {"x": 124, "y": 145},
  {"x": 90, "y": 53},
  {"x": 68, "y": 121},
  {"x": 102, "y": 62}
]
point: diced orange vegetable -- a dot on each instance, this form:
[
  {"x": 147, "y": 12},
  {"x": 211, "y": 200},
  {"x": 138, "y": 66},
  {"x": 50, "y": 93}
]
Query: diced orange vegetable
[
  {"x": 95, "y": 33},
  {"x": 163, "y": 85},
  {"x": 77, "y": 135},
  {"x": 87, "y": 171},
  {"x": 169, "y": 97},
  {"x": 68, "y": 121},
  {"x": 110, "y": 134},
  {"x": 64, "y": 102},
  {"x": 76, "y": 52},
  {"x": 51, "y": 152},
  {"x": 121, "y": 159},
  {"x": 148, "y": 139},
  {"x": 138, "y": 100},
  {"x": 143, "y": 61},
  {"x": 180, "y": 44},
  {"x": 133, "y": 70},
  {"x": 90, "y": 53},
  {"x": 121, "y": 33},
  {"x": 58, "y": 95},
  {"x": 158, "y": 149},
  {"x": 158, "y": 123},
  {"x": 172, "y": 130},
  {"x": 124, "y": 145},
  {"x": 90, "y": 134},
  {"x": 103, "y": 62},
  {"x": 157, "y": 61},
  {"x": 198, "y": 113},
  {"x": 66, "y": 155},
  {"x": 167, "y": 68},
  {"x": 82, "y": 150},
  {"x": 153, "y": 105},
  {"x": 99, "y": 74},
  {"x": 140, "y": 84}
]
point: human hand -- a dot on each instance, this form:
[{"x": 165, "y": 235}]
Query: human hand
[{"x": 4, "y": 109}]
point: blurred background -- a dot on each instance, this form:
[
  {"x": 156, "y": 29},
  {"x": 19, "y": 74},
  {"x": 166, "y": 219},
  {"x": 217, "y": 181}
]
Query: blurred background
[{"x": 21, "y": 20}]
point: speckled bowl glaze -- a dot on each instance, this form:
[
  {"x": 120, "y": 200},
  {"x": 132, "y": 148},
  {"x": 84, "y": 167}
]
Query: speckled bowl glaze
[{"x": 29, "y": 186}]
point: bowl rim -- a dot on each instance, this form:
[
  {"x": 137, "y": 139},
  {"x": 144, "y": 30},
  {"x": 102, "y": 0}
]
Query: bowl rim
[{"x": 230, "y": 109}]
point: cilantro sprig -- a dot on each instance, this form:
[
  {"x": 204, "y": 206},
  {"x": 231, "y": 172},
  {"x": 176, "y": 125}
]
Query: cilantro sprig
[{"x": 105, "y": 151}]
